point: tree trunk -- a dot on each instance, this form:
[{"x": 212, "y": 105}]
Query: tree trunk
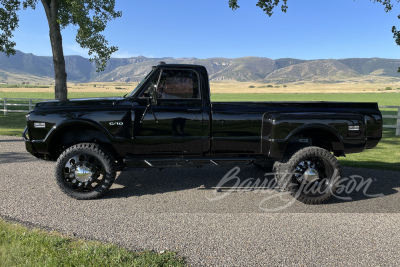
[{"x": 60, "y": 88}]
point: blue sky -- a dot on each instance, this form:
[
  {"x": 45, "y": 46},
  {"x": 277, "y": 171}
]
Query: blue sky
[{"x": 311, "y": 29}]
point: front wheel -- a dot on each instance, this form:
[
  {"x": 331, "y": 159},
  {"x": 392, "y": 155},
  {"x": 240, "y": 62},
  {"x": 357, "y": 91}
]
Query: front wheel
[
  {"x": 85, "y": 171},
  {"x": 310, "y": 174}
]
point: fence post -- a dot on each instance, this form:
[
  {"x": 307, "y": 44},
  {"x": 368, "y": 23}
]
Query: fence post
[
  {"x": 5, "y": 106},
  {"x": 398, "y": 122},
  {"x": 30, "y": 104}
]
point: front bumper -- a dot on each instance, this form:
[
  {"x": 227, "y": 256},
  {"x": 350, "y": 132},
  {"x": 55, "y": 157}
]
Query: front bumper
[{"x": 28, "y": 144}]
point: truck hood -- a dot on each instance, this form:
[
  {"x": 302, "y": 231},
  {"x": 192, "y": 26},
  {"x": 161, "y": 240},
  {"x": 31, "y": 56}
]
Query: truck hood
[{"x": 80, "y": 102}]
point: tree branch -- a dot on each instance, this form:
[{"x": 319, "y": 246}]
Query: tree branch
[{"x": 8, "y": 23}]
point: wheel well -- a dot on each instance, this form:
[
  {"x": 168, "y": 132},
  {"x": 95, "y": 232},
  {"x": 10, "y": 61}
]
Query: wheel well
[
  {"x": 317, "y": 137},
  {"x": 75, "y": 134}
]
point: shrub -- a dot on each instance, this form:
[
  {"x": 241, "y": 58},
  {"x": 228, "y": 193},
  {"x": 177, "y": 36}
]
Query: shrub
[
  {"x": 270, "y": 86},
  {"x": 251, "y": 86},
  {"x": 388, "y": 88}
]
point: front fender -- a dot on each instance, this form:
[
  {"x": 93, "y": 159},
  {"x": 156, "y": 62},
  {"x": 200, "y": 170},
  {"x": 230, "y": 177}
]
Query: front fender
[
  {"x": 44, "y": 146},
  {"x": 84, "y": 123}
]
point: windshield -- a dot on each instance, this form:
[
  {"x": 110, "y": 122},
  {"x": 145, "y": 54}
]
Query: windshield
[{"x": 140, "y": 84}]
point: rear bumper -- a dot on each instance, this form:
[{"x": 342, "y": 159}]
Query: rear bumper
[{"x": 373, "y": 142}]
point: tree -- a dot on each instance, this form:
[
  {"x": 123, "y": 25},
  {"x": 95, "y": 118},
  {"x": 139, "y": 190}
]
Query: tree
[
  {"x": 90, "y": 16},
  {"x": 268, "y": 7}
]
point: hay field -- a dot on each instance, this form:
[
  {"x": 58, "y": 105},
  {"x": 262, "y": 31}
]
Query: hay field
[
  {"x": 112, "y": 88},
  {"x": 231, "y": 87},
  {"x": 303, "y": 88}
]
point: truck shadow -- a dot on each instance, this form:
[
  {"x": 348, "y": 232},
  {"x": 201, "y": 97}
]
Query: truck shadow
[
  {"x": 13, "y": 157},
  {"x": 357, "y": 185},
  {"x": 138, "y": 182},
  {"x": 11, "y": 140}
]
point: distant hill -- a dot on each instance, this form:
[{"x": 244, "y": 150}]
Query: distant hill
[
  {"x": 311, "y": 71},
  {"x": 285, "y": 70}
]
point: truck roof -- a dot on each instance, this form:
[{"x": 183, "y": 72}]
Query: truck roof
[{"x": 163, "y": 64}]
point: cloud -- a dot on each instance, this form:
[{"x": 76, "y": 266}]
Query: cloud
[
  {"x": 75, "y": 49},
  {"x": 123, "y": 54}
]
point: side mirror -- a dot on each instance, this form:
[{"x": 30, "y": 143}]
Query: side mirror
[{"x": 153, "y": 95}]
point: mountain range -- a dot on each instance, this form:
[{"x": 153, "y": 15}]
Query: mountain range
[{"x": 258, "y": 69}]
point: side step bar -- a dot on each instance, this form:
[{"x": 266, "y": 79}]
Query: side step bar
[{"x": 134, "y": 162}]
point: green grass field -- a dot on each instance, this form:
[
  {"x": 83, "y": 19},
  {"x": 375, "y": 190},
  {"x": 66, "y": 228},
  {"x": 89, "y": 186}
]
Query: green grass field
[
  {"x": 20, "y": 246},
  {"x": 385, "y": 99},
  {"x": 385, "y": 156},
  {"x": 382, "y": 98}
]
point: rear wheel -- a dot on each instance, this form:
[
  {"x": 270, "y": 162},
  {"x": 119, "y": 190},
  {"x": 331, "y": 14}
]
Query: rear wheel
[
  {"x": 310, "y": 174},
  {"x": 85, "y": 171}
]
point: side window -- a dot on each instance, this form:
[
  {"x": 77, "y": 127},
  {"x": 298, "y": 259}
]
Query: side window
[{"x": 178, "y": 84}]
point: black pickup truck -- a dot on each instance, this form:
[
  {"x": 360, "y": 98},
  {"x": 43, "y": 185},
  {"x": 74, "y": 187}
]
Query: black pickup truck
[{"x": 168, "y": 120}]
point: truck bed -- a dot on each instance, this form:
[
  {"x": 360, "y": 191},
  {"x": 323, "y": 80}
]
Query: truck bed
[{"x": 236, "y": 125}]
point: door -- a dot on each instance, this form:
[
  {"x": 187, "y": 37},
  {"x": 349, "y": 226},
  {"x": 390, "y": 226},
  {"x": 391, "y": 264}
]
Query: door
[{"x": 173, "y": 125}]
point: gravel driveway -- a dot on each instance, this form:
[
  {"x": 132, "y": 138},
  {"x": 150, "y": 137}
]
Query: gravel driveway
[{"x": 179, "y": 209}]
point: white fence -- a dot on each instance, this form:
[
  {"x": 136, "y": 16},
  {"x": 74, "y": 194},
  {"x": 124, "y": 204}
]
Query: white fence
[
  {"x": 10, "y": 102},
  {"x": 397, "y": 125},
  {"x": 29, "y": 103}
]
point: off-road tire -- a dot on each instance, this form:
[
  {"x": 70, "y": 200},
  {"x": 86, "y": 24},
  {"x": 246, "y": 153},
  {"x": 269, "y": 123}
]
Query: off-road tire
[
  {"x": 285, "y": 171},
  {"x": 85, "y": 156}
]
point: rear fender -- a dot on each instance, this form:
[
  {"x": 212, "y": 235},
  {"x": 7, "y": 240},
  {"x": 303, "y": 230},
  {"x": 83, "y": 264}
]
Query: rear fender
[{"x": 280, "y": 129}]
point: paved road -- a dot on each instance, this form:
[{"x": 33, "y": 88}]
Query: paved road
[{"x": 172, "y": 210}]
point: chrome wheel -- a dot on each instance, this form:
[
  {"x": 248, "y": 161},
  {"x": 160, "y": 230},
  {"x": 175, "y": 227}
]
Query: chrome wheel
[
  {"x": 314, "y": 174},
  {"x": 84, "y": 173}
]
